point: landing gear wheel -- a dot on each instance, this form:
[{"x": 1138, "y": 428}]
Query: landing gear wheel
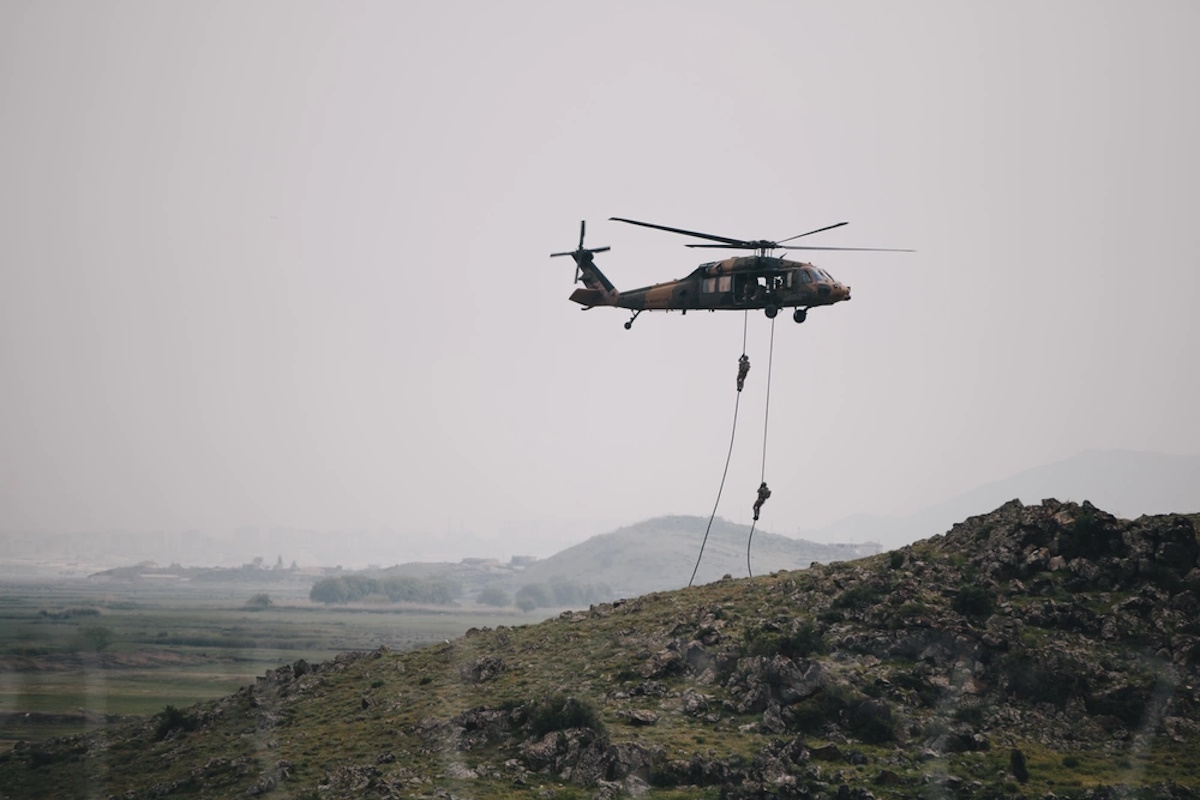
[
  {"x": 628, "y": 325},
  {"x": 771, "y": 311},
  {"x": 800, "y": 315}
]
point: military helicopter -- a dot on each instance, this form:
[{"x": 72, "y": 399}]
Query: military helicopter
[{"x": 734, "y": 284}]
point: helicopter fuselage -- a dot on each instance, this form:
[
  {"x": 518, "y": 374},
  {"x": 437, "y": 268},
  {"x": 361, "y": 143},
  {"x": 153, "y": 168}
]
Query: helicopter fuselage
[{"x": 744, "y": 282}]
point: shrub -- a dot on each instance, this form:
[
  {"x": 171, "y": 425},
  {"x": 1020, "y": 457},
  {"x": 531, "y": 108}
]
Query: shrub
[
  {"x": 1039, "y": 682},
  {"x": 872, "y": 721},
  {"x": 926, "y": 691},
  {"x": 823, "y": 708},
  {"x": 856, "y": 598},
  {"x": 974, "y": 602},
  {"x": 172, "y": 719},
  {"x": 559, "y": 712},
  {"x": 532, "y": 596},
  {"x": 801, "y": 643},
  {"x": 259, "y": 602},
  {"x": 896, "y": 559},
  {"x": 972, "y": 715},
  {"x": 97, "y": 637},
  {"x": 494, "y": 596}
]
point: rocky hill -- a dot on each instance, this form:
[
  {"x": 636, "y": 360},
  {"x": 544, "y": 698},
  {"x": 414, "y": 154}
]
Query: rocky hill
[{"x": 1037, "y": 651}]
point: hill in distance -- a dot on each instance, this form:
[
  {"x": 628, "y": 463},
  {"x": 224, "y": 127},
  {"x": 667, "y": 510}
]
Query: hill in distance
[
  {"x": 654, "y": 555},
  {"x": 661, "y": 553},
  {"x": 1036, "y": 651}
]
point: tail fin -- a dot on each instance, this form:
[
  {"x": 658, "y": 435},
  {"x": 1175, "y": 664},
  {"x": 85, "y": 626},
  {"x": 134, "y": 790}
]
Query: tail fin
[{"x": 600, "y": 290}]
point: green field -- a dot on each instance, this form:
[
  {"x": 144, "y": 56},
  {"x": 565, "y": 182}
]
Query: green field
[{"x": 75, "y": 654}]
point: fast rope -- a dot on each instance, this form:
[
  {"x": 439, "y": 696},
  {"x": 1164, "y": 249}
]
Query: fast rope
[
  {"x": 766, "y": 417},
  {"x": 733, "y": 433}
]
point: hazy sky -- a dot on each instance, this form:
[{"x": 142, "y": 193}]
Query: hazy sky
[{"x": 285, "y": 263}]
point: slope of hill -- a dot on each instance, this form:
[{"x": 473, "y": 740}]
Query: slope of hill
[
  {"x": 1126, "y": 482},
  {"x": 1037, "y": 651}
]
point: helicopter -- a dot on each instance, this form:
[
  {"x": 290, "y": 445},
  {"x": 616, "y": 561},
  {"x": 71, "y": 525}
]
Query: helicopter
[{"x": 759, "y": 281}]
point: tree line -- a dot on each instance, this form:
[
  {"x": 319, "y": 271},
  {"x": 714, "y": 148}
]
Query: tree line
[
  {"x": 556, "y": 594},
  {"x": 396, "y": 588}
]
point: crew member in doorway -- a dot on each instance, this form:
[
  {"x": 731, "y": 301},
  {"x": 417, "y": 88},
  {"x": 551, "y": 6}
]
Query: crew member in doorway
[
  {"x": 743, "y": 370},
  {"x": 763, "y": 494}
]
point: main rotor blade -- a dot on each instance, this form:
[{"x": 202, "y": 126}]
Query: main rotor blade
[
  {"x": 581, "y": 250},
  {"x": 709, "y": 236},
  {"x": 810, "y": 233},
  {"x": 861, "y": 249}
]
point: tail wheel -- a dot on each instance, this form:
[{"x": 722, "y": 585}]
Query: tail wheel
[{"x": 800, "y": 315}]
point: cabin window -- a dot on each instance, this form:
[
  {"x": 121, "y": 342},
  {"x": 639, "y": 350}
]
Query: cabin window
[{"x": 722, "y": 284}]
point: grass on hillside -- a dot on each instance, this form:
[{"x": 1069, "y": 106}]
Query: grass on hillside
[{"x": 383, "y": 711}]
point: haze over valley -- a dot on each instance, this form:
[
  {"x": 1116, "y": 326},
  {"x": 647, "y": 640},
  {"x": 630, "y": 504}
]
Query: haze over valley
[
  {"x": 287, "y": 373},
  {"x": 1129, "y": 483}
]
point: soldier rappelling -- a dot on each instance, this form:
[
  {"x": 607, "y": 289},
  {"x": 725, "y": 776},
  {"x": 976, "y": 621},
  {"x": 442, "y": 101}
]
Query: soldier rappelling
[
  {"x": 743, "y": 370},
  {"x": 763, "y": 494}
]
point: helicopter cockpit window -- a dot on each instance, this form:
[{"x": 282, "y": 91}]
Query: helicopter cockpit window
[{"x": 802, "y": 276}]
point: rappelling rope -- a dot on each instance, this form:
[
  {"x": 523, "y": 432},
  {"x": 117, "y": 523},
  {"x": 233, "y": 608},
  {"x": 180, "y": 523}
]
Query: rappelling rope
[
  {"x": 729, "y": 455},
  {"x": 766, "y": 417}
]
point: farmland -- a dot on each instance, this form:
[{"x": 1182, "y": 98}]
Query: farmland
[{"x": 76, "y": 654}]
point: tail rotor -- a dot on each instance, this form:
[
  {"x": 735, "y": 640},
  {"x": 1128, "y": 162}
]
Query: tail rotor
[{"x": 581, "y": 254}]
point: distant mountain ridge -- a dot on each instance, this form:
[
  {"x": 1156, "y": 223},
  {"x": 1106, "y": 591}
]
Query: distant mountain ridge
[
  {"x": 1130, "y": 483},
  {"x": 654, "y": 555},
  {"x": 659, "y": 554}
]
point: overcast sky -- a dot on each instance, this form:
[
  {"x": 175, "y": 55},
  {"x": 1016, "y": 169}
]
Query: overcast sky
[{"x": 284, "y": 264}]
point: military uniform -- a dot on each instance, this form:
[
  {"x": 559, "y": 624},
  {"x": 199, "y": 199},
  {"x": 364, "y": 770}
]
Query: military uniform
[
  {"x": 763, "y": 494},
  {"x": 743, "y": 370}
]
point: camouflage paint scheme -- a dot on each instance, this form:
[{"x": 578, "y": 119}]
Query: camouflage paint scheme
[{"x": 745, "y": 282}]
